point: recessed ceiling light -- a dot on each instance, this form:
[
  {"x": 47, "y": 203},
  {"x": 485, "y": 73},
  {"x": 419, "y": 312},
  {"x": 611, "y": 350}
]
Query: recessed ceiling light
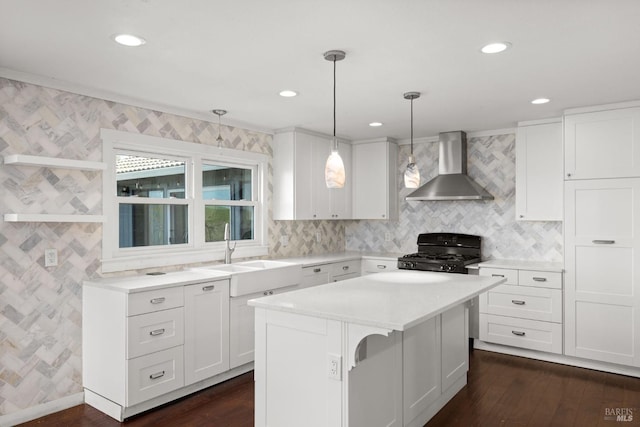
[
  {"x": 375, "y": 124},
  {"x": 496, "y": 47},
  {"x": 540, "y": 101},
  {"x": 288, "y": 93},
  {"x": 129, "y": 40}
]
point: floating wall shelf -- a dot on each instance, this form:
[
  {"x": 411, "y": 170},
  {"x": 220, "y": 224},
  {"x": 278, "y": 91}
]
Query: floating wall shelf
[
  {"x": 52, "y": 162},
  {"x": 16, "y": 217}
]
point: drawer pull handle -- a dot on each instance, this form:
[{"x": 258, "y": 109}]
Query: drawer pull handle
[
  {"x": 267, "y": 293},
  {"x": 517, "y": 302},
  {"x": 156, "y": 375},
  {"x": 381, "y": 266},
  {"x": 159, "y": 300},
  {"x": 539, "y": 279},
  {"x": 497, "y": 275},
  {"x": 603, "y": 242},
  {"x": 518, "y": 333},
  {"x": 208, "y": 288},
  {"x": 156, "y": 332},
  {"x": 317, "y": 270},
  {"x": 345, "y": 268}
]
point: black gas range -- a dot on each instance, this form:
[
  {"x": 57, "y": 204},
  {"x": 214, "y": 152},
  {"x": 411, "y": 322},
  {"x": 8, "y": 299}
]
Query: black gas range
[{"x": 446, "y": 252}]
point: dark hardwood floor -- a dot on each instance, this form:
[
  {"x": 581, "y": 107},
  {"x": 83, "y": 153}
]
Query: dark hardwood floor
[{"x": 501, "y": 391}]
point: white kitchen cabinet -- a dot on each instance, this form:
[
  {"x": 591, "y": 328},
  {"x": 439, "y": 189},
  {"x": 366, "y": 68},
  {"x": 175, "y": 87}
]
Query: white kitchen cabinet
[
  {"x": 299, "y": 189},
  {"x": 321, "y": 274},
  {"x": 602, "y": 257},
  {"x": 539, "y": 164},
  {"x": 206, "y": 344},
  {"x": 602, "y": 144},
  {"x": 344, "y": 270},
  {"x": 454, "y": 325},
  {"x": 242, "y": 326},
  {"x": 524, "y": 312},
  {"x": 375, "y": 174},
  {"x": 148, "y": 340}
]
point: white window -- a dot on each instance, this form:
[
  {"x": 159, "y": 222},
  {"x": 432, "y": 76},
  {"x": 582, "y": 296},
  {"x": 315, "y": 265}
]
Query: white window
[{"x": 166, "y": 202}]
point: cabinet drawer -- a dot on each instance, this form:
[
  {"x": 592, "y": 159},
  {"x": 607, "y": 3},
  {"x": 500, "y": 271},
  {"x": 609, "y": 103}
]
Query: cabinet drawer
[
  {"x": 542, "y": 279},
  {"x": 511, "y": 275},
  {"x": 314, "y": 276},
  {"x": 530, "y": 334},
  {"x": 155, "y": 300},
  {"x": 154, "y": 374},
  {"x": 345, "y": 267},
  {"x": 340, "y": 277},
  {"x": 378, "y": 265},
  {"x": 150, "y": 332},
  {"x": 524, "y": 302}
]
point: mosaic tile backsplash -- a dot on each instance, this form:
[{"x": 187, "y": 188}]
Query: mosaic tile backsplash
[
  {"x": 41, "y": 308},
  {"x": 491, "y": 163}
]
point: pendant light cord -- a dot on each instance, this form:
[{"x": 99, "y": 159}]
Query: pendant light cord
[
  {"x": 412, "y": 126},
  {"x": 335, "y": 142}
]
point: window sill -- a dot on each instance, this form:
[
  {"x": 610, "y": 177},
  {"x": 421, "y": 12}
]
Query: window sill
[{"x": 182, "y": 257}]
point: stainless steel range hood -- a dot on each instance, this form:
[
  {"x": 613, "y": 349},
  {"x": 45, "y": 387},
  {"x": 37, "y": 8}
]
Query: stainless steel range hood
[{"x": 452, "y": 183}]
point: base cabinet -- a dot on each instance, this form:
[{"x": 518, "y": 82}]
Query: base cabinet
[
  {"x": 140, "y": 347},
  {"x": 526, "y": 312},
  {"x": 242, "y": 326},
  {"x": 206, "y": 308}
]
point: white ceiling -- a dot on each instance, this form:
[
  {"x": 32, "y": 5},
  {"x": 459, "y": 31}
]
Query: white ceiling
[{"x": 238, "y": 54}]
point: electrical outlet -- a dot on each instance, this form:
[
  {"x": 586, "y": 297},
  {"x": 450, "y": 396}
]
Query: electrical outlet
[
  {"x": 50, "y": 257},
  {"x": 318, "y": 237},
  {"x": 334, "y": 363},
  {"x": 387, "y": 237},
  {"x": 284, "y": 240}
]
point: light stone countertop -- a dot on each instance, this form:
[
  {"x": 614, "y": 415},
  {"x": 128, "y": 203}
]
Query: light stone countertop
[
  {"x": 319, "y": 259},
  {"x": 515, "y": 264},
  {"x": 141, "y": 283},
  {"x": 393, "y": 300}
]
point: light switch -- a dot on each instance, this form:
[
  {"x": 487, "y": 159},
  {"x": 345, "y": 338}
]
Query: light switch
[{"x": 50, "y": 257}]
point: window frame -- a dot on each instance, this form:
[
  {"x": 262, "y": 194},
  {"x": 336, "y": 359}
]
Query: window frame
[{"x": 194, "y": 155}]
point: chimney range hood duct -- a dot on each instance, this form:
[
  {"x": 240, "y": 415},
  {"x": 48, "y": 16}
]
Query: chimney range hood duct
[{"x": 452, "y": 183}]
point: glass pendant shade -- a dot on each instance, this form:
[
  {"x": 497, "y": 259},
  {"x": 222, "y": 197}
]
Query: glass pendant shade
[
  {"x": 412, "y": 174},
  {"x": 334, "y": 174}
]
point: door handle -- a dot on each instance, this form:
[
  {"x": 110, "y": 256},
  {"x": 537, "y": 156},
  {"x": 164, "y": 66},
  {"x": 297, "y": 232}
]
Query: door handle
[
  {"x": 539, "y": 279},
  {"x": 603, "y": 242},
  {"x": 208, "y": 288},
  {"x": 517, "y": 302},
  {"x": 157, "y": 332},
  {"x": 518, "y": 333},
  {"x": 159, "y": 300}
]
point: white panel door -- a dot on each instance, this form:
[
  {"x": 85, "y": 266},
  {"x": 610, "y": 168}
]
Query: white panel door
[
  {"x": 341, "y": 197},
  {"x": 603, "y": 144},
  {"x": 539, "y": 172},
  {"x": 602, "y": 290},
  {"x": 455, "y": 345},
  {"x": 370, "y": 191},
  {"x": 321, "y": 203},
  {"x": 206, "y": 341},
  {"x": 421, "y": 367}
]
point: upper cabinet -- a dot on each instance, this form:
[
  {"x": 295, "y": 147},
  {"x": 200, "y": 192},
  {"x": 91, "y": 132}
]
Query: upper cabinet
[
  {"x": 375, "y": 187},
  {"x": 299, "y": 190},
  {"x": 539, "y": 171},
  {"x": 602, "y": 144}
]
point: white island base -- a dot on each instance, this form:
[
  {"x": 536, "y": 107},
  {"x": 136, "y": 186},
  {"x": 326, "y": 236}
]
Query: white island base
[{"x": 384, "y": 350}]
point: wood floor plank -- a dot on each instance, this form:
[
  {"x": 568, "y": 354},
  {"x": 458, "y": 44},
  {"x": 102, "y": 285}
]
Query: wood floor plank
[{"x": 501, "y": 390}]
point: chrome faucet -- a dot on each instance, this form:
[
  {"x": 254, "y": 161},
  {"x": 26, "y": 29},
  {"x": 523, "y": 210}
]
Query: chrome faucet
[{"x": 228, "y": 250}]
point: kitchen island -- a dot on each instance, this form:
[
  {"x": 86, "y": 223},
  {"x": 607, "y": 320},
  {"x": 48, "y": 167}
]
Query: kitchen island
[{"x": 388, "y": 349}]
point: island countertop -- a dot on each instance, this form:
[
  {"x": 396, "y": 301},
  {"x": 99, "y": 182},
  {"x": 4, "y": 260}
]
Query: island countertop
[{"x": 394, "y": 300}]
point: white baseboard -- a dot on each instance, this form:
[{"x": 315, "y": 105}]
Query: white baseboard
[
  {"x": 41, "y": 410},
  {"x": 558, "y": 358}
]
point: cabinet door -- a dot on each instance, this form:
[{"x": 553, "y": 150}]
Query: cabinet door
[
  {"x": 242, "y": 327},
  {"x": 206, "y": 344},
  {"x": 341, "y": 197},
  {"x": 375, "y": 180},
  {"x": 315, "y": 275},
  {"x": 321, "y": 195},
  {"x": 539, "y": 172},
  {"x": 603, "y": 144},
  {"x": 602, "y": 256},
  {"x": 455, "y": 345},
  {"x": 421, "y": 367}
]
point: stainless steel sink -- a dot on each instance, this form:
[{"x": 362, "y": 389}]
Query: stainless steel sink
[{"x": 250, "y": 277}]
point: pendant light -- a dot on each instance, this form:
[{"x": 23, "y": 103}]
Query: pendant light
[
  {"x": 334, "y": 174},
  {"x": 411, "y": 173},
  {"x": 219, "y": 113}
]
